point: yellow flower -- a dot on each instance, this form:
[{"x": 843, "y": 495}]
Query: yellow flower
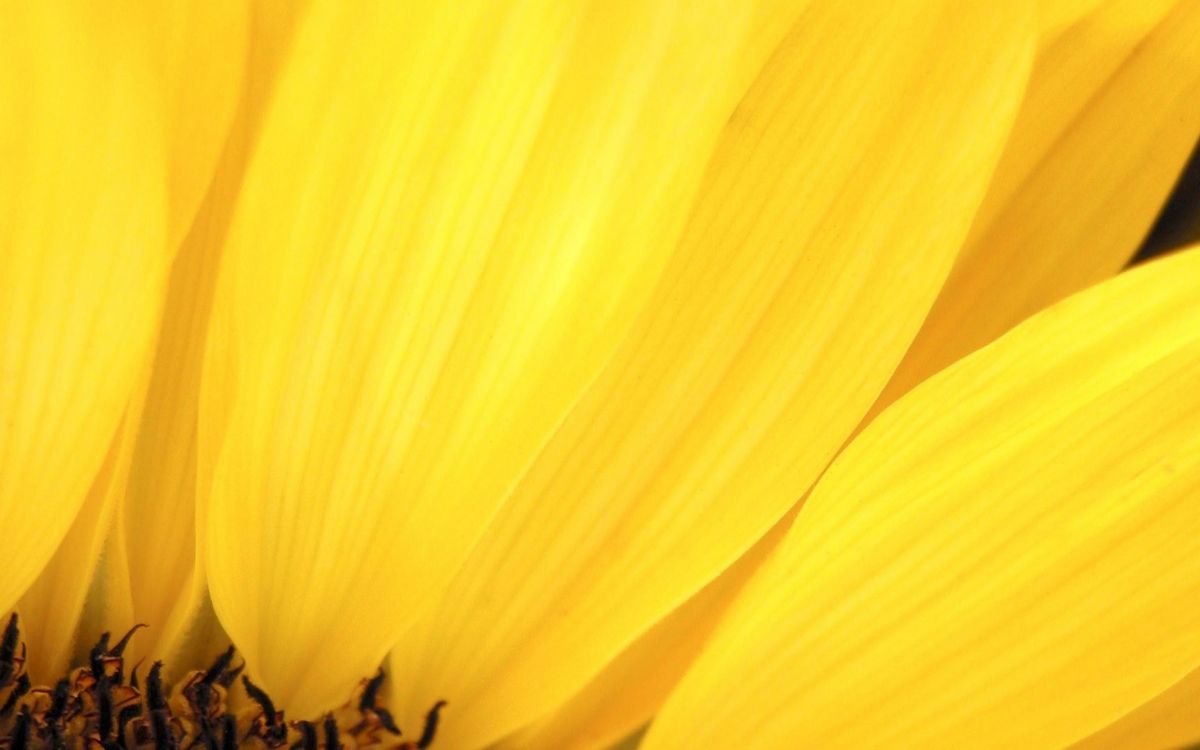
[{"x": 507, "y": 343}]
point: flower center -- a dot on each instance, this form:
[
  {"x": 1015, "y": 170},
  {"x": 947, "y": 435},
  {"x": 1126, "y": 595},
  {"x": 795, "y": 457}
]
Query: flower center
[{"x": 99, "y": 707}]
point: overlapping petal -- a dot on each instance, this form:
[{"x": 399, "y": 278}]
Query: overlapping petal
[
  {"x": 1082, "y": 33},
  {"x": 1168, "y": 720},
  {"x": 466, "y": 236},
  {"x": 1007, "y": 557},
  {"x": 1055, "y": 15},
  {"x": 829, "y": 215},
  {"x": 51, "y": 608},
  {"x": 1112, "y": 113},
  {"x": 632, "y": 687},
  {"x": 454, "y": 213},
  {"x": 156, "y": 554},
  {"x": 198, "y": 59},
  {"x": 83, "y": 257}
]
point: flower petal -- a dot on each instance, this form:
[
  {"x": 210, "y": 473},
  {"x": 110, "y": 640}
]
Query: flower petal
[
  {"x": 618, "y": 697},
  {"x": 200, "y": 50},
  {"x": 83, "y": 257},
  {"x": 1005, "y": 558},
  {"x": 153, "y": 550},
  {"x": 200, "y": 54},
  {"x": 634, "y": 685},
  {"x": 796, "y": 287},
  {"x": 50, "y": 609},
  {"x": 1112, "y": 114},
  {"x": 155, "y": 556},
  {"x": 1055, "y": 15},
  {"x": 454, "y": 213},
  {"x": 1166, "y": 720}
]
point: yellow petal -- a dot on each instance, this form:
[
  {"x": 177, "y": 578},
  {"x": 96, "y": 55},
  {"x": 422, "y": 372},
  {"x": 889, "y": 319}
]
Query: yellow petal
[
  {"x": 1168, "y": 720},
  {"x": 200, "y": 50},
  {"x": 1112, "y": 113},
  {"x": 1055, "y": 15},
  {"x": 82, "y": 257},
  {"x": 454, "y": 212},
  {"x": 795, "y": 288},
  {"x": 156, "y": 557},
  {"x": 1005, "y": 558},
  {"x": 630, "y": 690},
  {"x": 154, "y": 554},
  {"x": 51, "y": 608},
  {"x": 200, "y": 60}
]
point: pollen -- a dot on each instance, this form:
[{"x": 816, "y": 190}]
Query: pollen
[{"x": 98, "y": 706}]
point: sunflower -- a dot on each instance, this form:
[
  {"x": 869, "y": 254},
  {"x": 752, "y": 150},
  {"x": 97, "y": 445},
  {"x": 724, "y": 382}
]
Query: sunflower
[{"x": 522, "y": 373}]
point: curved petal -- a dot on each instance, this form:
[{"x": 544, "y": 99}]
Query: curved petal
[
  {"x": 1007, "y": 557},
  {"x": 156, "y": 556},
  {"x": 1167, "y": 720},
  {"x": 200, "y": 50},
  {"x": 153, "y": 551},
  {"x": 634, "y": 685},
  {"x": 1112, "y": 114},
  {"x": 454, "y": 212},
  {"x": 51, "y": 608},
  {"x": 199, "y": 53},
  {"x": 83, "y": 257},
  {"x": 796, "y": 286},
  {"x": 1104, "y": 33},
  {"x": 1055, "y": 15}
]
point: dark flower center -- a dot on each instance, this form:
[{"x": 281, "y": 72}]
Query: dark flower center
[{"x": 98, "y": 707}]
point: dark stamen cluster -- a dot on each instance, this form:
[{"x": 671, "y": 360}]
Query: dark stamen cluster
[{"x": 96, "y": 707}]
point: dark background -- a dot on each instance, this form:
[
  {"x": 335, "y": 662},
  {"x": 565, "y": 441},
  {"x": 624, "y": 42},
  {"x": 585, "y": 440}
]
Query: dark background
[{"x": 1179, "y": 222}]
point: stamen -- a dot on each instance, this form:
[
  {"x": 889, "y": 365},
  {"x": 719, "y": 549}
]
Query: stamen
[
  {"x": 218, "y": 667},
  {"x": 229, "y": 739},
  {"x": 93, "y": 708},
  {"x": 119, "y": 649},
  {"x": 19, "y": 690},
  {"x": 8, "y": 649},
  {"x": 370, "y": 693},
  {"x": 226, "y": 681},
  {"x": 385, "y": 718},
  {"x": 96, "y": 656},
  {"x": 20, "y": 733},
  {"x": 308, "y": 736},
  {"x": 331, "y": 734},
  {"x": 431, "y": 725},
  {"x": 259, "y": 696},
  {"x": 154, "y": 689},
  {"x": 58, "y": 703},
  {"x": 128, "y": 714}
]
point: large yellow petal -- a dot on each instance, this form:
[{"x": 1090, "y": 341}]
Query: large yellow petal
[
  {"x": 153, "y": 551},
  {"x": 200, "y": 50},
  {"x": 83, "y": 256},
  {"x": 1112, "y": 114},
  {"x": 50, "y": 609},
  {"x": 199, "y": 53},
  {"x": 156, "y": 557},
  {"x": 454, "y": 212},
  {"x": 632, "y": 687},
  {"x": 1055, "y": 15},
  {"x": 1168, "y": 720},
  {"x": 1007, "y": 557},
  {"x": 830, "y": 213},
  {"x": 628, "y": 691}
]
